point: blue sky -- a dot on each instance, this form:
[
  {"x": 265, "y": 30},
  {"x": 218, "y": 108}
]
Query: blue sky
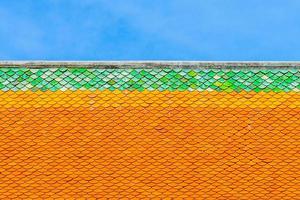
[{"x": 150, "y": 30}]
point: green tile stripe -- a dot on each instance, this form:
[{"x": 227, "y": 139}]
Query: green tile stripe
[{"x": 278, "y": 80}]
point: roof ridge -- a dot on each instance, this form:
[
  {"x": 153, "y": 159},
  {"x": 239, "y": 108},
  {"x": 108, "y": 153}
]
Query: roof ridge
[{"x": 154, "y": 64}]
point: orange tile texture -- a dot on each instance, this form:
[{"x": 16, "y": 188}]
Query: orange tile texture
[{"x": 149, "y": 145}]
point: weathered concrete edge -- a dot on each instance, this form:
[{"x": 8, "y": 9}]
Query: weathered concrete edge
[{"x": 154, "y": 64}]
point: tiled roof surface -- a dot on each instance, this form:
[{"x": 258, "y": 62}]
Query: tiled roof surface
[{"x": 149, "y": 133}]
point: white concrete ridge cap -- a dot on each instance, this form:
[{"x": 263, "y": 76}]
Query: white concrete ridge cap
[{"x": 154, "y": 64}]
